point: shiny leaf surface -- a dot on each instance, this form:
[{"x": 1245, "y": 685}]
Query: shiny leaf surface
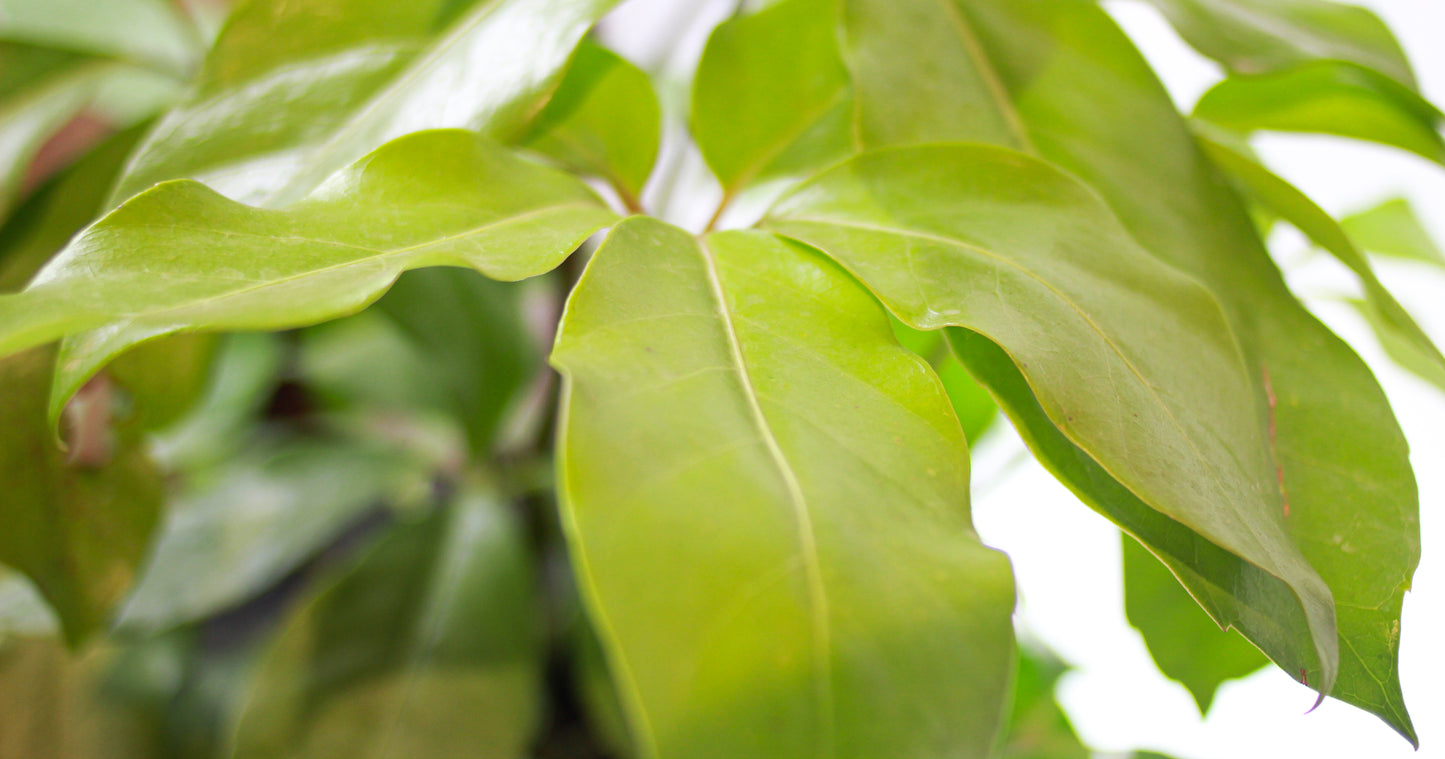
[
  {"x": 437, "y": 198},
  {"x": 1088, "y": 317},
  {"x": 293, "y": 92},
  {"x": 828, "y": 610}
]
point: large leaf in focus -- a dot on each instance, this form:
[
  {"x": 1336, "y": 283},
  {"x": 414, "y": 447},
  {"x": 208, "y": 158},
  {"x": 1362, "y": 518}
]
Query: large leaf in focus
[
  {"x": 1259, "y": 36},
  {"x": 1295, "y": 207},
  {"x": 974, "y": 407},
  {"x": 242, "y": 528},
  {"x": 182, "y": 258},
  {"x": 430, "y": 647},
  {"x": 1393, "y": 229},
  {"x": 771, "y": 95},
  {"x": 1329, "y": 98},
  {"x": 1185, "y": 643},
  {"x": 1011, "y": 248},
  {"x": 604, "y": 121},
  {"x": 293, "y": 92},
  {"x": 741, "y": 422},
  {"x": 54, "y": 704},
  {"x": 1082, "y": 96},
  {"x": 77, "y": 531},
  {"x": 150, "y": 32}
]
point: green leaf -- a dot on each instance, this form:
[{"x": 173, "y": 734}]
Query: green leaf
[
  {"x": 293, "y": 92},
  {"x": 604, "y": 121},
  {"x": 1296, "y": 208},
  {"x": 771, "y": 95},
  {"x": 1083, "y": 97},
  {"x": 150, "y": 267},
  {"x": 430, "y": 647},
  {"x": 147, "y": 32},
  {"x": 1393, "y": 229},
  {"x": 22, "y": 610},
  {"x": 1090, "y": 320},
  {"x": 1185, "y": 643},
  {"x": 1402, "y": 350},
  {"x": 77, "y": 531},
  {"x": 240, "y": 529},
  {"x": 1260, "y": 36},
  {"x": 972, "y": 404},
  {"x": 1329, "y": 98},
  {"x": 829, "y": 606},
  {"x": 1038, "y": 727}
]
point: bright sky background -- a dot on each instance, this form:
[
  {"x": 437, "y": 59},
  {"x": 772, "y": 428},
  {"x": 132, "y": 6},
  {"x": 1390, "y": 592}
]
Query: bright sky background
[{"x": 1067, "y": 557}]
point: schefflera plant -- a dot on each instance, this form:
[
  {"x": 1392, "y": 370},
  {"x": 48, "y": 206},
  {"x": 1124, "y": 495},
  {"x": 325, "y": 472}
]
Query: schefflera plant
[{"x": 765, "y": 496}]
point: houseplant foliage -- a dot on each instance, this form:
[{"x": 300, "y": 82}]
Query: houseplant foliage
[{"x": 287, "y": 474}]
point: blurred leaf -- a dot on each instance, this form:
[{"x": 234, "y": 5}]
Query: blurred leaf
[
  {"x": 1296, "y": 208},
  {"x": 1038, "y": 727},
  {"x": 1098, "y": 330},
  {"x": 1259, "y": 36},
  {"x": 771, "y": 94},
  {"x": 148, "y": 32},
  {"x": 1080, "y": 94},
  {"x": 54, "y": 705},
  {"x": 243, "y": 375},
  {"x": 149, "y": 268},
  {"x": 604, "y": 121},
  {"x": 1403, "y": 351},
  {"x": 1328, "y": 98},
  {"x": 77, "y": 531},
  {"x": 1185, "y": 643},
  {"x": 22, "y": 611},
  {"x": 841, "y": 600},
  {"x": 975, "y": 408},
  {"x": 294, "y": 92},
  {"x": 239, "y": 530},
  {"x": 430, "y": 647},
  {"x": 1393, "y": 229}
]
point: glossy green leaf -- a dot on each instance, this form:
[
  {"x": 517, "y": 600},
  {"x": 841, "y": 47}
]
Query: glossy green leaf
[
  {"x": 430, "y": 647},
  {"x": 1038, "y": 727},
  {"x": 150, "y": 32},
  {"x": 1329, "y": 98},
  {"x": 293, "y": 92},
  {"x": 1259, "y": 36},
  {"x": 1296, "y": 208},
  {"x": 828, "y": 609},
  {"x": 604, "y": 121},
  {"x": 771, "y": 96},
  {"x": 1082, "y": 96},
  {"x": 77, "y": 531},
  {"x": 240, "y": 529},
  {"x": 1185, "y": 643},
  {"x": 1393, "y": 229},
  {"x": 150, "y": 267},
  {"x": 1089, "y": 318}
]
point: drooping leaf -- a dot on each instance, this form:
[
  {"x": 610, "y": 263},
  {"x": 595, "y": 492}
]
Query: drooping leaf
[
  {"x": 1329, "y": 98},
  {"x": 1038, "y": 727},
  {"x": 604, "y": 121},
  {"x": 1260, "y": 36},
  {"x": 430, "y": 647},
  {"x": 148, "y": 32},
  {"x": 745, "y": 426},
  {"x": 1185, "y": 643},
  {"x": 1013, "y": 249},
  {"x": 77, "y": 531},
  {"x": 1393, "y": 229},
  {"x": 293, "y": 92},
  {"x": 182, "y": 258},
  {"x": 1295, "y": 207},
  {"x": 242, "y": 528},
  {"x": 771, "y": 96},
  {"x": 1082, "y": 96}
]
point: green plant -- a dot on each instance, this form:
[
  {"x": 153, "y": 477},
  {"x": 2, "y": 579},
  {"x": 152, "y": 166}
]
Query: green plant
[{"x": 340, "y": 538}]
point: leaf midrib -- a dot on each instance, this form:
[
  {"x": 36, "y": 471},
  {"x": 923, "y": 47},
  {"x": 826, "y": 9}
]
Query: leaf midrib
[{"x": 807, "y": 538}]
